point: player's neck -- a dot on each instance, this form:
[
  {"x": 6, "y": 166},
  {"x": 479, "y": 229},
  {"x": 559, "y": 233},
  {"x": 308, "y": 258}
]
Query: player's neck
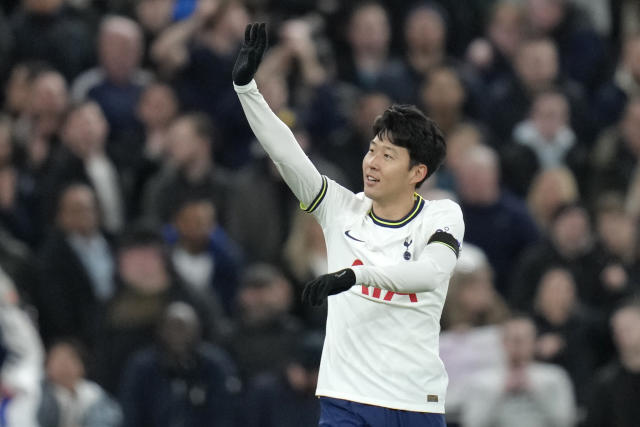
[{"x": 394, "y": 208}]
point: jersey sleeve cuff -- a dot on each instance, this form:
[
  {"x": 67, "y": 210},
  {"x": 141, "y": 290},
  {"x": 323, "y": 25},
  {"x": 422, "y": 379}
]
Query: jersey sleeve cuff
[
  {"x": 246, "y": 88},
  {"x": 359, "y": 271},
  {"x": 318, "y": 199}
]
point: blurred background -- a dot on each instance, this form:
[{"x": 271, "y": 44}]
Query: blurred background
[{"x": 152, "y": 260}]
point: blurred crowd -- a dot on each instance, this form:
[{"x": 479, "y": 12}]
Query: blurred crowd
[{"x": 152, "y": 260}]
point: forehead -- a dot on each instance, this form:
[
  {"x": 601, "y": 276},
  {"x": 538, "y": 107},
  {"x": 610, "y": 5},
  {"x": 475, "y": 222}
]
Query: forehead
[
  {"x": 518, "y": 328},
  {"x": 383, "y": 140},
  {"x": 626, "y": 316}
]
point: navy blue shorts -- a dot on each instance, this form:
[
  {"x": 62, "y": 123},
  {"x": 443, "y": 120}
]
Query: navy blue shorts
[{"x": 344, "y": 413}]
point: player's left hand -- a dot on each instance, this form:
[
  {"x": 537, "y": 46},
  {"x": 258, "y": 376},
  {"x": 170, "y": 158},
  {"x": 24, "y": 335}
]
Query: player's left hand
[{"x": 317, "y": 290}]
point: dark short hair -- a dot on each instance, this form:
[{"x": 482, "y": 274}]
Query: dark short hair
[
  {"x": 260, "y": 275},
  {"x": 406, "y": 126},
  {"x": 630, "y": 302},
  {"x": 202, "y": 125},
  {"x": 139, "y": 235}
]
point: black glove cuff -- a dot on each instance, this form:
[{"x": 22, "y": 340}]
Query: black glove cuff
[{"x": 344, "y": 279}]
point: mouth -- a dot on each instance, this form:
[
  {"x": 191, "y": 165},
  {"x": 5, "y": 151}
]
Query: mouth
[{"x": 370, "y": 180}]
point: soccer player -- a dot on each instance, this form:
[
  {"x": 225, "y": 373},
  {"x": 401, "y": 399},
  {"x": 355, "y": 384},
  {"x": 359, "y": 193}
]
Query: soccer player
[{"x": 391, "y": 254}]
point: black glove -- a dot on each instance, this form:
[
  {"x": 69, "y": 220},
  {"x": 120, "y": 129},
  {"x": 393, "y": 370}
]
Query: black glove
[
  {"x": 248, "y": 60},
  {"x": 317, "y": 290}
]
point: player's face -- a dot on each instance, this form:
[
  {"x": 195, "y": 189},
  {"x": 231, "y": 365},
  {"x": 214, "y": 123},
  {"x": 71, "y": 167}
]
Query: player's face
[{"x": 386, "y": 171}]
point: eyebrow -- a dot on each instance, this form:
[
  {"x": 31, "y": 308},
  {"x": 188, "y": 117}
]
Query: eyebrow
[{"x": 389, "y": 147}]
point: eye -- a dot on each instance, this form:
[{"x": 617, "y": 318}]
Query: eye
[{"x": 388, "y": 157}]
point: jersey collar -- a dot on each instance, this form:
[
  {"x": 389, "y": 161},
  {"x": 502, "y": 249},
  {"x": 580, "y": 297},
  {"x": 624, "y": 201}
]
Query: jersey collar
[{"x": 417, "y": 207}]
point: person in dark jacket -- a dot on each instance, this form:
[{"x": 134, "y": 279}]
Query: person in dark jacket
[
  {"x": 496, "y": 220},
  {"x": 180, "y": 382},
  {"x": 614, "y": 401},
  {"x": 287, "y": 399},
  {"x": 75, "y": 269}
]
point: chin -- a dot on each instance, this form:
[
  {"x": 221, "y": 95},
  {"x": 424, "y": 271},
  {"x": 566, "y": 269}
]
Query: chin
[{"x": 370, "y": 194}]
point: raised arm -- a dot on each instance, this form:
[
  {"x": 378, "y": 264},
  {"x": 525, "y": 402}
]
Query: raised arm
[{"x": 275, "y": 137}]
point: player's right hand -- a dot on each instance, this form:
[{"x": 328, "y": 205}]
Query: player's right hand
[
  {"x": 316, "y": 291},
  {"x": 248, "y": 60}
]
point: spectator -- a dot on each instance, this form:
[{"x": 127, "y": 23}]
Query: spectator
[
  {"x": 305, "y": 258},
  {"x": 18, "y": 86},
  {"x": 21, "y": 367},
  {"x": 181, "y": 380},
  {"x": 146, "y": 286},
  {"x": 311, "y": 98},
  {"x": 48, "y": 30},
  {"x": 471, "y": 338},
  {"x": 40, "y": 121},
  {"x": 157, "y": 109},
  {"x": 472, "y": 300},
  {"x": 368, "y": 65},
  {"x": 567, "y": 331},
  {"x": 75, "y": 270},
  {"x": 265, "y": 333},
  {"x": 614, "y": 95},
  {"x": 582, "y": 52},
  {"x": 68, "y": 398},
  {"x": 203, "y": 255},
  {"x": 189, "y": 172},
  {"x": 287, "y": 399},
  {"x": 154, "y": 16},
  {"x": 537, "y": 68},
  {"x": 262, "y": 232},
  {"x": 496, "y": 221},
  {"x": 425, "y": 37},
  {"x": 617, "y": 232},
  {"x": 17, "y": 197},
  {"x": 83, "y": 159},
  {"x": 544, "y": 140},
  {"x": 117, "y": 82},
  {"x": 549, "y": 190},
  {"x": 197, "y": 54},
  {"x": 613, "y": 401},
  {"x": 443, "y": 96},
  {"x": 492, "y": 55},
  {"x": 45, "y": 107},
  {"x": 523, "y": 392},
  {"x": 615, "y": 155},
  {"x": 459, "y": 139},
  {"x": 569, "y": 243}
]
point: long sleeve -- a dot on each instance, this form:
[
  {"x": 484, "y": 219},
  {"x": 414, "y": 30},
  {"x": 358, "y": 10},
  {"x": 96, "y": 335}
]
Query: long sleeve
[
  {"x": 431, "y": 270},
  {"x": 553, "y": 392},
  {"x": 278, "y": 141},
  {"x": 483, "y": 398}
]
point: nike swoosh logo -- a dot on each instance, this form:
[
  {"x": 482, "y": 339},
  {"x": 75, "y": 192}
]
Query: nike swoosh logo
[
  {"x": 341, "y": 274},
  {"x": 346, "y": 233}
]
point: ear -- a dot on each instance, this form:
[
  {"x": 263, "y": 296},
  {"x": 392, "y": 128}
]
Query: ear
[{"x": 418, "y": 172}]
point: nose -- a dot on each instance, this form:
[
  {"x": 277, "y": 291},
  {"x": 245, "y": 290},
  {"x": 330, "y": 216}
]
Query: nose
[{"x": 371, "y": 161}]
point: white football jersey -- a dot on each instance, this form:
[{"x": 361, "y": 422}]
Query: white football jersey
[{"x": 381, "y": 345}]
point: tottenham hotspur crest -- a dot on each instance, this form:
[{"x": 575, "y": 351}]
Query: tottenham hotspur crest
[{"x": 407, "y": 254}]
